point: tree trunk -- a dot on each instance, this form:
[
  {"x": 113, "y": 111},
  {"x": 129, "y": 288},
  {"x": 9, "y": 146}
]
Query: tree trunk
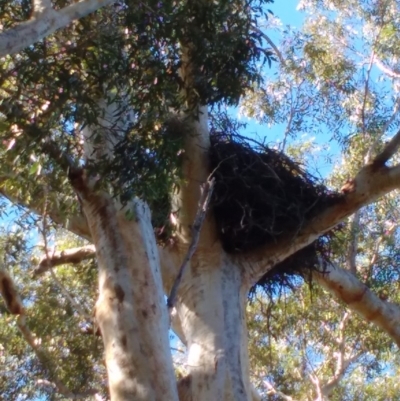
[
  {"x": 130, "y": 310},
  {"x": 211, "y": 310}
]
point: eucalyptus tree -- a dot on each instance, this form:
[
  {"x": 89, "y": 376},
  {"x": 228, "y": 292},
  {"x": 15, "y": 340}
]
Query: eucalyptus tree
[
  {"x": 336, "y": 75},
  {"x": 307, "y": 346},
  {"x": 120, "y": 113},
  {"x": 337, "y": 80}
]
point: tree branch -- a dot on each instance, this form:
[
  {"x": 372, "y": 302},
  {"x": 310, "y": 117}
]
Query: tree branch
[
  {"x": 315, "y": 380},
  {"x": 353, "y": 243},
  {"x": 73, "y": 255},
  {"x": 271, "y": 43},
  {"x": 388, "y": 123},
  {"x": 76, "y": 224},
  {"x": 370, "y": 184},
  {"x": 342, "y": 362},
  {"x": 195, "y": 170},
  {"x": 13, "y": 302},
  {"x": 389, "y": 72},
  {"x": 366, "y": 92},
  {"x": 46, "y": 22},
  {"x": 359, "y": 298},
  {"x": 390, "y": 149},
  {"x": 273, "y": 390},
  {"x": 207, "y": 191},
  {"x": 327, "y": 389},
  {"x": 45, "y": 360},
  {"x": 9, "y": 292}
]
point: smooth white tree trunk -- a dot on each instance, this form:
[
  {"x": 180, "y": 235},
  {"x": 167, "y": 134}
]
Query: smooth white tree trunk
[
  {"x": 130, "y": 311},
  {"x": 211, "y": 311}
]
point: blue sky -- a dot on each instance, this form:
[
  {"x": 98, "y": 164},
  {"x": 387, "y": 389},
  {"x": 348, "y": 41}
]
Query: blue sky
[{"x": 286, "y": 11}]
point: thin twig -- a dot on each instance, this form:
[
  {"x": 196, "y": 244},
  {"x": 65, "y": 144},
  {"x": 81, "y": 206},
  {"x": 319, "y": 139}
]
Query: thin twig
[
  {"x": 49, "y": 257},
  {"x": 29, "y": 337},
  {"x": 196, "y": 228},
  {"x": 75, "y": 304},
  {"x": 178, "y": 350},
  {"x": 387, "y": 70},
  {"x": 366, "y": 92},
  {"x": 271, "y": 43}
]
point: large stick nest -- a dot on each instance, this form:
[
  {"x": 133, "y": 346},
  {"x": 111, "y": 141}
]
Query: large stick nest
[{"x": 260, "y": 196}]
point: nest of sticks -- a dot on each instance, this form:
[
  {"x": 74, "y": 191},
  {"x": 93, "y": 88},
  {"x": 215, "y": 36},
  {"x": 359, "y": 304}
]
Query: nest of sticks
[{"x": 260, "y": 196}]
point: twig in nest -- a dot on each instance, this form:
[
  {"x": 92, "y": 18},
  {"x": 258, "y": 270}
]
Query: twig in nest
[{"x": 206, "y": 193}]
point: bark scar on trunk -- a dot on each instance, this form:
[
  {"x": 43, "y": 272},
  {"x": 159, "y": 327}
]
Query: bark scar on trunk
[{"x": 119, "y": 293}]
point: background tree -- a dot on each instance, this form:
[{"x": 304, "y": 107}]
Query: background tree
[{"x": 122, "y": 112}]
